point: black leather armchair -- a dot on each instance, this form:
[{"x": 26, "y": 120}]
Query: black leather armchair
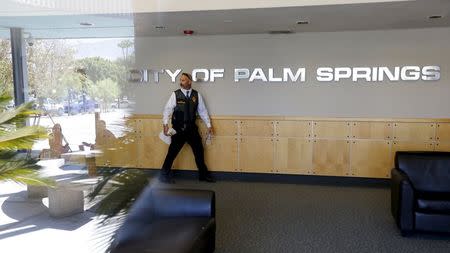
[
  {"x": 169, "y": 221},
  {"x": 420, "y": 191}
]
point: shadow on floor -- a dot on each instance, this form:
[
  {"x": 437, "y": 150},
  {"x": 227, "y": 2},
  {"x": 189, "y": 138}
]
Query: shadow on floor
[{"x": 32, "y": 215}]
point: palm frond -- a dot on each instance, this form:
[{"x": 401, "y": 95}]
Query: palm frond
[
  {"x": 22, "y": 138},
  {"x": 14, "y": 136},
  {"x": 119, "y": 191},
  {"x": 7, "y": 154},
  {"x": 26, "y": 177},
  {"x": 10, "y": 160},
  {"x": 99, "y": 188},
  {"x": 18, "y": 115},
  {"x": 106, "y": 174},
  {"x": 24, "y": 171},
  {"x": 5, "y": 99},
  {"x": 106, "y": 231},
  {"x": 14, "y": 167}
]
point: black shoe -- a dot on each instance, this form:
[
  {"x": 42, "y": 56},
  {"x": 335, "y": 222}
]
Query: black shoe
[
  {"x": 207, "y": 178},
  {"x": 166, "y": 180}
]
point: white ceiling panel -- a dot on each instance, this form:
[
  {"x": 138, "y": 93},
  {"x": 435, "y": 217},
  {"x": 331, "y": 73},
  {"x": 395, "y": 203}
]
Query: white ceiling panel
[{"x": 321, "y": 18}]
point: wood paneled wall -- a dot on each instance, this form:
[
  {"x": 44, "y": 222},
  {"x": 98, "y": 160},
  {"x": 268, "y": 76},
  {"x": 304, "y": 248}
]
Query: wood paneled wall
[{"x": 353, "y": 147}]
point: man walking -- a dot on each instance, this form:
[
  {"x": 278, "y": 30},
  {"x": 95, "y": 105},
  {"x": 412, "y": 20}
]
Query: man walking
[{"x": 183, "y": 105}]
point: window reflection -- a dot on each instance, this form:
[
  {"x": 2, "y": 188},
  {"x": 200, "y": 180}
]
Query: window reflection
[
  {"x": 71, "y": 79},
  {"x": 6, "y": 72}
]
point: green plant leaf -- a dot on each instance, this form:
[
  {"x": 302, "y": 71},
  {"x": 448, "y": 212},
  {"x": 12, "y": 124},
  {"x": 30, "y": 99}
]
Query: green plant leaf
[
  {"x": 22, "y": 138},
  {"x": 25, "y": 176},
  {"x": 118, "y": 192},
  {"x": 14, "y": 136}
]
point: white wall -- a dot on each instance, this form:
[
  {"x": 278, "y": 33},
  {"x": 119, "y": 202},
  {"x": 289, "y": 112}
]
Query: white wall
[{"x": 310, "y": 50}]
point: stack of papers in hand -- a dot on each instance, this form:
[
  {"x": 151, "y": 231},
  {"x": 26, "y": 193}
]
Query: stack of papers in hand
[{"x": 167, "y": 139}]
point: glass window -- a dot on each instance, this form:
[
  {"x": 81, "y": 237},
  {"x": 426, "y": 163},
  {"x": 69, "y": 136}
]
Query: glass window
[
  {"x": 72, "y": 79},
  {"x": 6, "y": 72}
]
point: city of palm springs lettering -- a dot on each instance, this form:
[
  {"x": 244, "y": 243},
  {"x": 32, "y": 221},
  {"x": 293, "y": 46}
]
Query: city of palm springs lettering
[{"x": 271, "y": 75}]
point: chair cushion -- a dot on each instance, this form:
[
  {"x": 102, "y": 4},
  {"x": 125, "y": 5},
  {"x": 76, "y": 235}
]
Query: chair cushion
[
  {"x": 434, "y": 205},
  {"x": 432, "y": 202},
  {"x": 432, "y": 222},
  {"x": 170, "y": 235},
  {"x": 427, "y": 171}
]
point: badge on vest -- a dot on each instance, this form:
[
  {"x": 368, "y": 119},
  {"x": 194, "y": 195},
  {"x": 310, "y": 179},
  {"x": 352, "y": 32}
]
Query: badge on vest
[
  {"x": 194, "y": 99},
  {"x": 181, "y": 102}
]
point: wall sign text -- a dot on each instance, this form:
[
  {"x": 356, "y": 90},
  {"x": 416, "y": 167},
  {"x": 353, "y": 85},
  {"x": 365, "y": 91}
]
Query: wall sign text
[{"x": 276, "y": 75}]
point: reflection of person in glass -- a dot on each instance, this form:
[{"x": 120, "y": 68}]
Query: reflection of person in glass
[
  {"x": 184, "y": 104},
  {"x": 106, "y": 136},
  {"x": 103, "y": 137}
]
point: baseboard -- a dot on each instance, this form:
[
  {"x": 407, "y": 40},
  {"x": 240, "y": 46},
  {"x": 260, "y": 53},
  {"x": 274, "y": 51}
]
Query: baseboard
[{"x": 280, "y": 178}]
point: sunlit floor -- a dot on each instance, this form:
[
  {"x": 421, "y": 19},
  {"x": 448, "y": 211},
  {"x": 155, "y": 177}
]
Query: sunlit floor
[{"x": 26, "y": 226}]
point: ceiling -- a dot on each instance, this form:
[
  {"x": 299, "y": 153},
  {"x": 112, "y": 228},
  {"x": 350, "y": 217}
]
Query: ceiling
[
  {"x": 85, "y": 7},
  {"x": 68, "y": 26},
  {"x": 376, "y": 16},
  {"x": 321, "y": 18}
]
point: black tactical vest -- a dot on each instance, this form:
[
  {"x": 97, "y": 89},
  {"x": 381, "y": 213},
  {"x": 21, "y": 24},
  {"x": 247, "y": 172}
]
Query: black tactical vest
[{"x": 185, "y": 112}]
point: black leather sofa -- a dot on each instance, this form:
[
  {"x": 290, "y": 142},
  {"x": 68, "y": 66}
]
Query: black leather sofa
[
  {"x": 420, "y": 191},
  {"x": 169, "y": 221}
]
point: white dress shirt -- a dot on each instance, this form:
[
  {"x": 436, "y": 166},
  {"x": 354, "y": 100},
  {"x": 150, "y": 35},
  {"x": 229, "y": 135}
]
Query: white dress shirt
[{"x": 170, "y": 105}]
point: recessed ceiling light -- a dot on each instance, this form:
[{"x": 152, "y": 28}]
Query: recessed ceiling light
[
  {"x": 435, "y": 17},
  {"x": 86, "y": 24},
  {"x": 160, "y": 27},
  {"x": 302, "y": 22}
]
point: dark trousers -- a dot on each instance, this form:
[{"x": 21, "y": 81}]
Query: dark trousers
[{"x": 192, "y": 137}]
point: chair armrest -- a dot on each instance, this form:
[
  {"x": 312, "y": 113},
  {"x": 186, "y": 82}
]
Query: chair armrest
[
  {"x": 402, "y": 200},
  {"x": 137, "y": 220},
  {"x": 141, "y": 210},
  {"x": 155, "y": 203},
  {"x": 183, "y": 203}
]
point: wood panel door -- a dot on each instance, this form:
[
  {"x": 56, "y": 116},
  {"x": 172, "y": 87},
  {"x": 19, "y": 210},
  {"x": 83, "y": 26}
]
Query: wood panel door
[
  {"x": 331, "y": 130},
  {"x": 221, "y": 127},
  {"x": 293, "y": 156},
  {"x": 331, "y": 157},
  {"x": 443, "y": 132},
  {"x": 256, "y": 154},
  {"x": 185, "y": 159},
  {"x": 414, "y": 132},
  {"x": 152, "y": 152},
  {"x": 222, "y": 154},
  {"x": 370, "y": 158},
  {"x": 260, "y": 128},
  {"x": 442, "y": 146},
  {"x": 149, "y": 127},
  {"x": 371, "y": 130},
  {"x": 293, "y": 129}
]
